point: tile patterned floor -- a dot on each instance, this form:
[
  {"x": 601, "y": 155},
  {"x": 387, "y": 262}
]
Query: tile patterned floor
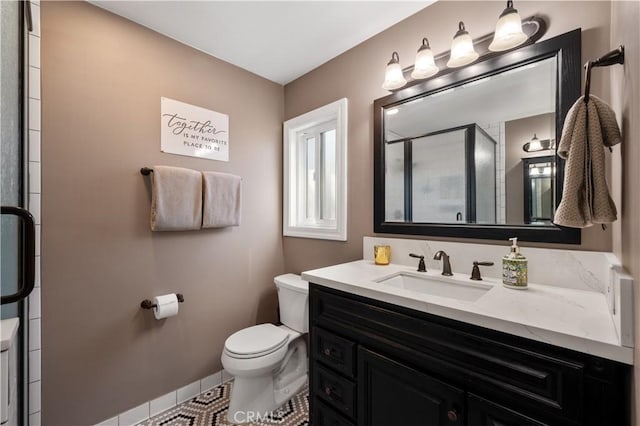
[{"x": 210, "y": 409}]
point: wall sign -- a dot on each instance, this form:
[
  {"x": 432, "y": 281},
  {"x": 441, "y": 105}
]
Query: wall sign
[{"x": 193, "y": 131}]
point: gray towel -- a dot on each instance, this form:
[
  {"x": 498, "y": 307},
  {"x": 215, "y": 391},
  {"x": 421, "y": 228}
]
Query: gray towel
[
  {"x": 222, "y": 193},
  {"x": 176, "y": 199},
  {"x": 585, "y": 195}
]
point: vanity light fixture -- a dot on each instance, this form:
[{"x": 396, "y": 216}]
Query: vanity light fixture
[
  {"x": 508, "y": 32},
  {"x": 425, "y": 65},
  {"x": 393, "y": 76},
  {"x": 462, "y": 50},
  {"x": 535, "y": 144}
]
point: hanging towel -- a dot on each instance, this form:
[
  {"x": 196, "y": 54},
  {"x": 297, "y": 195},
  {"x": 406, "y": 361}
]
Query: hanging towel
[
  {"x": 222, "y": 194},
  {"x": 176, "y": 199},
  {"x": 588, "y": 128}
]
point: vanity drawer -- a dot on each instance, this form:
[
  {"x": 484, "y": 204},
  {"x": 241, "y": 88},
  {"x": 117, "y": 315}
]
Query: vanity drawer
[
  {"x": 334, "y": 351},
  {"x": 337, "y": 391},
  {"x": 514, "y": 371},
  {"x": 322, "y": 415}
]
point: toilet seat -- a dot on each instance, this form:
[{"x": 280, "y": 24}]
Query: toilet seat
[{"x": 256, "y": 341}]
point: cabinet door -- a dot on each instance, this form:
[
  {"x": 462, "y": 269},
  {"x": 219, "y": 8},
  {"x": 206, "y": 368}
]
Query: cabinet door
[
  {"x": 390, "y": 393},
  {"x": 486, "y": 413}
]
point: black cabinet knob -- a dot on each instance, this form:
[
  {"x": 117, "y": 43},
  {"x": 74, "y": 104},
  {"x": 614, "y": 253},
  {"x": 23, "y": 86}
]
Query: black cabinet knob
[
  {"x": 452, "y": 415},
  {"x": 327, "y": 351},
  {"x": 327, "y": 390}
]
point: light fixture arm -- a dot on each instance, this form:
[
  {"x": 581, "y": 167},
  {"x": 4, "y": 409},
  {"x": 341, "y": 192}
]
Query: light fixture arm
[{"x": 395, "y": 58}]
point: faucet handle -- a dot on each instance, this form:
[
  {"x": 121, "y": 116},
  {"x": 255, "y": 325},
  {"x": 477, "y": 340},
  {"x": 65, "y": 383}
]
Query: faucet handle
[
  {"x": 475, "y": 272},
  {"x": 421, "y": 266}
]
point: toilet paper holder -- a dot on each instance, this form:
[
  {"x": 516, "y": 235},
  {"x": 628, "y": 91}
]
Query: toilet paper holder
[{"x": 148, "y": 304}]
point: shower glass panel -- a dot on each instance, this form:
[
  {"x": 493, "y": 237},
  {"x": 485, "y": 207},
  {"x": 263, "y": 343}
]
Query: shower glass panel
[
  {"x": 485, "y": 168},
  {"x": 439, "y": 185},
  {"x": 394, "y": 182}
]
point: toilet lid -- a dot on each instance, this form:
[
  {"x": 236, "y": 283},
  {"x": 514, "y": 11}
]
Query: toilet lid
[{"x": 257, "y": 340}]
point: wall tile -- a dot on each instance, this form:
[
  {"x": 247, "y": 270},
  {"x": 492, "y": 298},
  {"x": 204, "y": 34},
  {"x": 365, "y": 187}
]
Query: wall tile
[
  {"x": 34, "y": 83},
  {"x": 34, "y": 51},
  {"x": 37, "y": 270},
  {"x": 34, "y": 397},
  {"x": 34, "y": 304},
  {"x": 37, "y": 240},
  {"x": 211, "y": 381},
  {"x": 34, "y": 114},
  {"x": 34, "y": 207},
  {"x": 34, "y": 177},
  {"x": 35, "y": 17},
  {"x": 134, "y": 416},
  {"x": 162, "y": 403},
  {"x": 34, "y": 419},
  {"x": 188, "y": 391},
  {"x": 113, "y": 421},
  {"x": 34, "y": 366},
  {"x": 34, "y": 334},
  {"x": 34, "y": 145}
]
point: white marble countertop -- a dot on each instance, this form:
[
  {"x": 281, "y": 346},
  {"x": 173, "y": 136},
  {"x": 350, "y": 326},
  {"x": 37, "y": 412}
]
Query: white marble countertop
[{"x": 569, "y": 318}]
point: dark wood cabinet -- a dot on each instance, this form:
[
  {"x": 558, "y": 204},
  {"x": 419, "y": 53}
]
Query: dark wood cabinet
[
  {"x": 392, "y": 393},
  {"x": 378, "y": 364}
]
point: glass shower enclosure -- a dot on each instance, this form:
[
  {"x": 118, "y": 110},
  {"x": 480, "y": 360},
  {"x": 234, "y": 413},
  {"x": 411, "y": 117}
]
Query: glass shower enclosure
[{"x": 448, "y": 176}]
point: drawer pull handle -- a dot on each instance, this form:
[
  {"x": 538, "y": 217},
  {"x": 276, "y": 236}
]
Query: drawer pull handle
[
  {"x": 452, "y": 415},
  {"x": 327, "y": 352}
]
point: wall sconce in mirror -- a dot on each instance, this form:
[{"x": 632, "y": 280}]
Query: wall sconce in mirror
[
  {"x": 393, "y": 76},
  {"x": 535, "y": 144},
  {"x": 462, "y": 50},
  {"x": 511, "y": 32},
  {"x": 508, "y": 32},
  {"x": 425, "y": 65}
]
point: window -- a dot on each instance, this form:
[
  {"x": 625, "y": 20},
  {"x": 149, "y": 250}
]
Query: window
[{"x": 315, "y": 173}]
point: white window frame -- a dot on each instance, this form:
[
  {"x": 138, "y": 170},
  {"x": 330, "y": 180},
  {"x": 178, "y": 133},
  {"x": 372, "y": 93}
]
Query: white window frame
[{"x": 294, "y": 197}]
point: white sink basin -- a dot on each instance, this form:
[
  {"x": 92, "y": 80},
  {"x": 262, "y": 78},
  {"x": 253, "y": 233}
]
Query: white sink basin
[{"x": 442, "y": 287}]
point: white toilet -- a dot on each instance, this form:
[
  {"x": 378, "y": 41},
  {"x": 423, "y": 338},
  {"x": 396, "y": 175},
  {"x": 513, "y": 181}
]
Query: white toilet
[{"x": 269, "y": 362}]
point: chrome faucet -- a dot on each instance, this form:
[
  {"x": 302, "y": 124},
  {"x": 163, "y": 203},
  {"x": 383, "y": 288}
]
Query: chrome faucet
[
  {"x": 475, "y": 272},
  {"x": 421, "y": 265},
  {"x": 446, "y": 265}
]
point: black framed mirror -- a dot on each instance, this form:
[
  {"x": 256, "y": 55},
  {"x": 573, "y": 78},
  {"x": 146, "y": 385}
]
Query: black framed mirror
[{"x": 449, "y": 152}]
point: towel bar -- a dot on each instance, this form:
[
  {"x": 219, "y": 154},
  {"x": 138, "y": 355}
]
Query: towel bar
[
  {"x": 146, "y": 171},
  {"x": 614, "y": 57},
  {"x": 148, "y": 304}
]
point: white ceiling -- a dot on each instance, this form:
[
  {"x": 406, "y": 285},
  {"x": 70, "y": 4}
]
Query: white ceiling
[{"x": 278, "y": 40}]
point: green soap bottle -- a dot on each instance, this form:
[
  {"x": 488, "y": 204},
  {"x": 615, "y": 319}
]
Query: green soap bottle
[{"x": 514, "y": 268}]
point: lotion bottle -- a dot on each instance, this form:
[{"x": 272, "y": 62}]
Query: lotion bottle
[{"x": 514, "y": 268}]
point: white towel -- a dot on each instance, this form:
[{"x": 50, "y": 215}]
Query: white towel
[
  {"x": 222, "y": 193},
  {"x": 176, "y": 199},
  {"x": 585, "y": 195}
]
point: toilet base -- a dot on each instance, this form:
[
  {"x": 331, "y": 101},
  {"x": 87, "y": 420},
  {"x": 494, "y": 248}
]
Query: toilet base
[{"x": 256, "y": 398}]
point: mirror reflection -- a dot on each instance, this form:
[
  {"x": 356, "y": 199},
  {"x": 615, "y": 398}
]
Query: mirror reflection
[{"x": 465, "y": 154}]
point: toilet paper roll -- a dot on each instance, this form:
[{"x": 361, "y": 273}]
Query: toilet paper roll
[{"x": 167, "y": 306}]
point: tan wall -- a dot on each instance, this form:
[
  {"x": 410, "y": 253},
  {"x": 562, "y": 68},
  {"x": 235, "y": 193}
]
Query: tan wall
[
  {"x": 102, "y": 80},
  {"x": 357, "y": 74},
  {"x": 625, "y": 99},
  {"x": 516, "y": 133}
]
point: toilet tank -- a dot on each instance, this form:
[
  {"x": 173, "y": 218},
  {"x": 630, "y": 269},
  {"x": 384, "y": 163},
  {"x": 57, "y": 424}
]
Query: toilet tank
[{"x": 293, "y": 298}]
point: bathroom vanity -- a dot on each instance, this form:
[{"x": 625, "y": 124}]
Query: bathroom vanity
[{"x": 382, "y": 355}]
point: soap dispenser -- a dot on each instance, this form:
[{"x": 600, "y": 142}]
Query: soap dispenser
[{"x": 514, "y": 268}]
